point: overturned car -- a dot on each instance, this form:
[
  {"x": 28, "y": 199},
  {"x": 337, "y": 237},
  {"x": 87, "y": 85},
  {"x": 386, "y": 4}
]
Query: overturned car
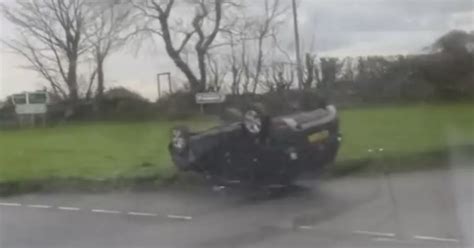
[{"x": 260, "y": 149}]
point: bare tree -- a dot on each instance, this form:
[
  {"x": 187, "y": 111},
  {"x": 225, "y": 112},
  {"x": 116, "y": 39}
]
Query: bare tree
[
  {"x": 233, "y": 59},
  {"x": 246, "y": 71},
  {"x": 277, "y": 77},
  {"x": 202, "y": 31},
  {"x": 236, "y": 68},
  {"x": 310, "y": 71},
  {"x": 283, "y": 76},
  {"x": 217, "y": 73},
  {"x": 88, "y": 94},
  {"x": 51, "y": 38},
  {"x": 108, "y": 32},
  {"x": 251, "y": 39},
  {"x": 266, "y": 27}
]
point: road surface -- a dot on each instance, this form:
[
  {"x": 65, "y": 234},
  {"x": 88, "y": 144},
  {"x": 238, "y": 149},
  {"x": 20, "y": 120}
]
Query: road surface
[{"x": 420, "y": 209}]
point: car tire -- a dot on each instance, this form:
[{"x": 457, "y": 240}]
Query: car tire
[
  {"x": 255, "y": 115},
  {"x": 180, "y": 154}
]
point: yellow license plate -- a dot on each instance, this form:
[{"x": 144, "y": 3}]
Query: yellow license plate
[{"x": 318, "y": 137}]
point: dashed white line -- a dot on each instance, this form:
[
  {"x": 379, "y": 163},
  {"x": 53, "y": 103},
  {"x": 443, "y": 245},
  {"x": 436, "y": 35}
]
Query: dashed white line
[
  {"x": 142, "y": 214},
  {"x": 179, "y": 217},
  {"x": 39, "y": 206},
  {"x": 435, "y": 239},
  {"x": 381, "y": 234},
  {"x": 105, "y": 211},
  {"x": 69, "y": 208},
  {"x": 10, "y": 204},
  {"x": 305, "y": 227}
]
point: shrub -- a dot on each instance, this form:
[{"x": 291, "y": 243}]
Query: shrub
[
  {"x": 124, "y": 104},
  {"x": 179, "y": 105}
]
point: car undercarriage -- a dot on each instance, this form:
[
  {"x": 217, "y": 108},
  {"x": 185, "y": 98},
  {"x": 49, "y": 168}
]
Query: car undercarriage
[{"x": 260, "y": 150}]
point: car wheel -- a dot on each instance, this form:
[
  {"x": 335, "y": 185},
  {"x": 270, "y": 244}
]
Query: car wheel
[
  {"x": 179, "y": 147},
  {"x": 255, "y": 119},
  {"x": 180, "y": 139}
]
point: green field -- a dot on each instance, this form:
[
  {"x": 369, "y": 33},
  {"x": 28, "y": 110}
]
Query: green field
[
  {"x": 127, "y": 150},
  {"x": 406, "y": 130},
  {"x": 87, "y": 151}
]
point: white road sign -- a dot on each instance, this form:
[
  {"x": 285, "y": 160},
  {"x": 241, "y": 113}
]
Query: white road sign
[
  {"x": 210, "y": 98},
  {"x": 31, "y": 103}
]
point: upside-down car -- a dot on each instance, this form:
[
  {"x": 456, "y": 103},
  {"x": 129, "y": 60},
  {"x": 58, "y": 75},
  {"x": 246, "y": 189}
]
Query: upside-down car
[{"x": 260, "y": 149}]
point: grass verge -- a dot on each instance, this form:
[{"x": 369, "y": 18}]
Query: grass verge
[{"x": 92, "y": 151}]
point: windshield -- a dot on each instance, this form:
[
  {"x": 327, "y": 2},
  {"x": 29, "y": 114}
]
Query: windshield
[{"x": 236, "y": 123}]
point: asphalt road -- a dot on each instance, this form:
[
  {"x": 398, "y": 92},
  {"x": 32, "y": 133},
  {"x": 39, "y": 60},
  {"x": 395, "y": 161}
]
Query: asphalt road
[{"x": 421, "y": 209}]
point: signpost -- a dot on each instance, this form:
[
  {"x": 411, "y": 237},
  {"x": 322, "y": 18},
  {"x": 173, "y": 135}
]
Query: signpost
[
  {"x": 209, "y": 98},
  {"x": 158, "y": 78},
  {"x": 28, "y": 105}
]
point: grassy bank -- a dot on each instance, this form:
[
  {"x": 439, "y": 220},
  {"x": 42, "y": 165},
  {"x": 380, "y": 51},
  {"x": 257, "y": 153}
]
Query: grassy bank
[
  {"x": 405, "y": 131},
  {"x": 98, "y": 151},
  {"x": 102, "y": 151}
]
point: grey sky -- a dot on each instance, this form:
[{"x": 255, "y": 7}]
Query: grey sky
[{"x": 328, "y": 27}]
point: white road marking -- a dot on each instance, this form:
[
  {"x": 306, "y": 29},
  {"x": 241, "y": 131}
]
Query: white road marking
[
  {"x": 142, "y": 214},
  {"x": 105, "y": 211},
  {"x": 435, "y": 239},
  {"x": 305, "y": 227},
  {"x": 179, "y": 217},
  {"x": 10, "y": 204},
  {"x": 39, "y": 206},
  {"x": 69, "y": 208},
  {"x": 391, "y": 235}
]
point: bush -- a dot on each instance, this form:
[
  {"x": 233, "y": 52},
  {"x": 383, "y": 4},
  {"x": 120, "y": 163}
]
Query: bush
[
  {"x": 124, "y": 104},
  {"x": 118, "y": 104},
  {"x": 179, "y": 105},
  {"x": 7, "y": 116}
]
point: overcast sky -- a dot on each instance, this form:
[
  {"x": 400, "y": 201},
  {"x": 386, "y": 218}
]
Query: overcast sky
[{"x": 328, "y": 27}]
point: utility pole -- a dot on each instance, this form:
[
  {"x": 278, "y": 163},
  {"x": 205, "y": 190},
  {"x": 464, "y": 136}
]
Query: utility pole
[{"x": 299, "y": 67}]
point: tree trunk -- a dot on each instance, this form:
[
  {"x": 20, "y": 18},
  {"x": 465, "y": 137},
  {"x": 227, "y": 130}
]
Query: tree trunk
[
  {"x": 245, "y": 66},
  {"x": 259, "y": 64},
  {"x": 201, "y": 86},
  {"x": 100, "y": 79},
  {"x": 72, "y": 80},
  {"x": 235, "y": 81},
  {"x": 308, "y": 81},
  {"x": 175, "y": 56}
]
